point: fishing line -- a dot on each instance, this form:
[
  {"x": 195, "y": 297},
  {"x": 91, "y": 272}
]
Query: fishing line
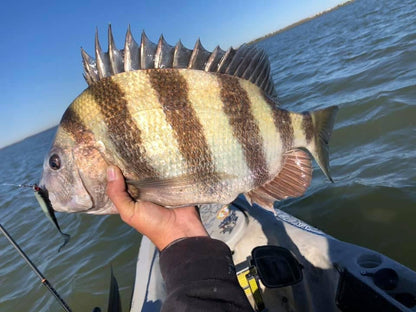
[
  {"x": 45, "y": 204},
  {"x": 44, "y": 281},
  {"x": 18, "y": 185}
]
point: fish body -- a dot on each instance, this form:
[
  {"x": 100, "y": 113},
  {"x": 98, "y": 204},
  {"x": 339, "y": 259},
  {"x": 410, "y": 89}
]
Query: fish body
[{"x": 182, "y": 136}]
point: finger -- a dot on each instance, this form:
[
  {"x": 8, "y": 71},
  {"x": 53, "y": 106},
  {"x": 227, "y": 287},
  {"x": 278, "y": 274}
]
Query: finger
[{"x": 116, "y": 191}]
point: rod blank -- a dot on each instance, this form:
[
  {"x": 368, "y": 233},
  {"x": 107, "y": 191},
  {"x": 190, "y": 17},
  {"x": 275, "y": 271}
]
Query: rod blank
[{"x": 44, "y": 281}]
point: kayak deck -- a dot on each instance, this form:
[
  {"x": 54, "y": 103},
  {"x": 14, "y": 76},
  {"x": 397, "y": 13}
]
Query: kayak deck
[{"x": 337, "y": 276}]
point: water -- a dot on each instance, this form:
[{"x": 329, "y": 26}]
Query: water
[{"x": 361, "y": 57}]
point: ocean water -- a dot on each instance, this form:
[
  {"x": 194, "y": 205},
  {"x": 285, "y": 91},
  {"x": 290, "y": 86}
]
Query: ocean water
[{"x": 361, "y": 57}]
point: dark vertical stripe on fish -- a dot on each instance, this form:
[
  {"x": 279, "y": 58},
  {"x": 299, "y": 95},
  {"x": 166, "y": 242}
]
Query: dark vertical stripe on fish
[
  {"x": 73, "y": 124},
  {"x": 283, "y": 124},
  {"x": 172, "y": 91},
  {"x": 236, "y": 105},
  {"x": 122, "y": 129},
  {"x": 307, "y": 126}
]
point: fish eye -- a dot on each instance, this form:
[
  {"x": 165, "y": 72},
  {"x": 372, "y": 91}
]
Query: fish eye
[{"x": 55, "y": 162}]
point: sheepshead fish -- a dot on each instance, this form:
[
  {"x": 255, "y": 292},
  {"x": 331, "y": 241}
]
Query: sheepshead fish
[{"x": 186, "y": 127}]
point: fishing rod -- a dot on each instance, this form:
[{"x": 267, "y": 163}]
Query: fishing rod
[
  {"x": 44, "y": 281},
  {"x": 41, "y": 196}
]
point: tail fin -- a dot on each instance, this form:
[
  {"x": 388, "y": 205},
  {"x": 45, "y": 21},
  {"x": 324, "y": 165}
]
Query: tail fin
[{"x": 323, "y": 122}]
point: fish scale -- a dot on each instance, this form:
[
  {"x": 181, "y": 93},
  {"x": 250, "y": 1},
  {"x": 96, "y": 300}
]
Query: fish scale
[{"x": 186, "y": 127}]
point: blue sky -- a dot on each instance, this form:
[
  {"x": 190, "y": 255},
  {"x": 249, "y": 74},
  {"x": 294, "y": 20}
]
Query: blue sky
[{"x": 41, "y": 70}]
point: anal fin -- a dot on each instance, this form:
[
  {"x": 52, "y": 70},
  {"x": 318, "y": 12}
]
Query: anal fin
[{"x": 292, "y": 181}]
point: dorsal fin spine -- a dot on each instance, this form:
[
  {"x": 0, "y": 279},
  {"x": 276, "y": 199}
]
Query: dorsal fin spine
[
  {"x": 114, "y": 55},
  {"x": 246, "y": 62},
  {"x": 181, "y": 56},
  {"x": 131, "y": 53},
  {"x": 90, "y": 67},
  {"x": 164, "y": 54},
  {"x": 199, "y": 56},
  {"x": 214, "y": 58},
  {"x": 101, "y": 59},
  {"x": 225, "y": 60},
  {"x": 147, "y": 52}
]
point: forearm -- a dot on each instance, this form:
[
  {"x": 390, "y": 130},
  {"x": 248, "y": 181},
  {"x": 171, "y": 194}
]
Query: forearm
[{"x": 200, "y": 276}]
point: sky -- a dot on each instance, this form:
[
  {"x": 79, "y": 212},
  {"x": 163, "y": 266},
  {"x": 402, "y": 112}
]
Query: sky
[{"x": 40, "y": 41}]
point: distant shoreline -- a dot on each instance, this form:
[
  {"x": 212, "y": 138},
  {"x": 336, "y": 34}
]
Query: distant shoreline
[
  {"x": 28, "y": 137},
  {"x": 302, "y": 21},
  {"x": 249, "y": 43}
]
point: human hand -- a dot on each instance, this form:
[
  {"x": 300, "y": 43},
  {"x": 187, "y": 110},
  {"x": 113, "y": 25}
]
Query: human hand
[{"x": 161, "y": 225}]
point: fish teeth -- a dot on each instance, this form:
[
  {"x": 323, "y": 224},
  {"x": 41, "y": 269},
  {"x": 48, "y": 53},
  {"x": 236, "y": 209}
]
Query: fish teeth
[
  {"x": 115, "y": 55},
  {"x": 131, "y": 53}
]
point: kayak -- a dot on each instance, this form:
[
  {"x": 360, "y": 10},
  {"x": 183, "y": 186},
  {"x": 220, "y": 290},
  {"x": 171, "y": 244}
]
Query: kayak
[{"x": 284, "y": 264}]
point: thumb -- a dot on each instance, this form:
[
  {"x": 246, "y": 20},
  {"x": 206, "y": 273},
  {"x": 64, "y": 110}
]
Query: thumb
[{"x": 116, "y": 191}]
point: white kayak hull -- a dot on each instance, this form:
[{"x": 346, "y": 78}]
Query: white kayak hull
[{"x": 337, "y": 276}]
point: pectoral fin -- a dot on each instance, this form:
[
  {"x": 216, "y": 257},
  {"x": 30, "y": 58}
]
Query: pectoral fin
[{"x": 292, "y": 181}]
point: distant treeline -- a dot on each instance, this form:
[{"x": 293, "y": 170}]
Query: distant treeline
[{"x": 300, "y": 22}]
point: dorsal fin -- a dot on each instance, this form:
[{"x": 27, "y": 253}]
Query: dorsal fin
[
  {"x": 115, "y": 55},
  {"x": 246, "y": 62}
]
